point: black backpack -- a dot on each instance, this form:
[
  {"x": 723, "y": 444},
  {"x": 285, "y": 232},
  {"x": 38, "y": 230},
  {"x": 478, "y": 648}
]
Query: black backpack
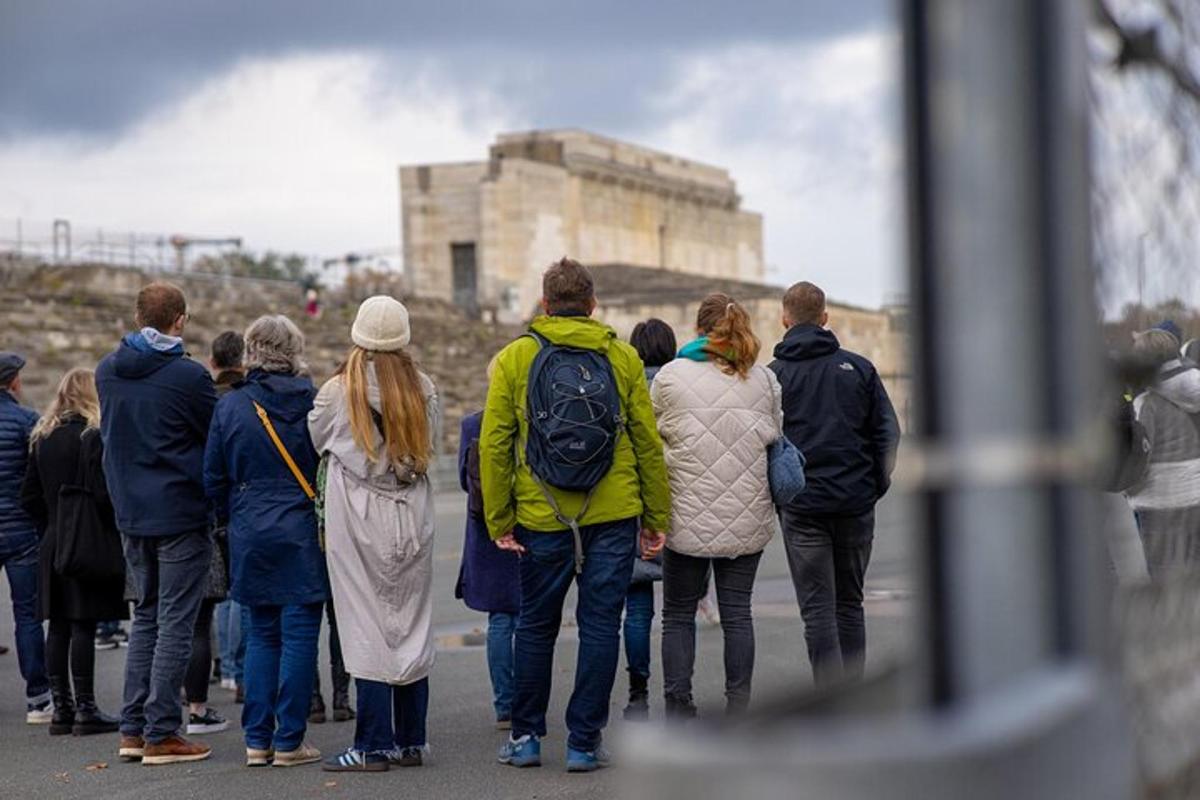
[{"x": 573, "y": 411}]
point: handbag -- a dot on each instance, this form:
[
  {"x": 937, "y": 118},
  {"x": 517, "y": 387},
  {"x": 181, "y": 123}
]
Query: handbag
[
  {"x": 785, "y": 471},
  {"x": 87, "y": 547}
]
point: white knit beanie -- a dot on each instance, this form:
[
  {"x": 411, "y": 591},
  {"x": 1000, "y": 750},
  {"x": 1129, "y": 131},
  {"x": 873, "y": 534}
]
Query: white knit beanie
[{"x": 381, "y": 324}]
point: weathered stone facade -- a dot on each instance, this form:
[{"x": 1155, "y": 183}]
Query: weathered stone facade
[{"x": 480, "y": 233}]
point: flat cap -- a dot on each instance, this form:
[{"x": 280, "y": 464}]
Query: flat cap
[{"x": 10, "y": 365}]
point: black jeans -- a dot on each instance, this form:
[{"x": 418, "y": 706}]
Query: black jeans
[
  {"x": 73, "y": 641},
  {"x": 828, "y": 558},
  {"x": 337, "y": 666},
  {"x": 685, "y": 582},
  {"x": 199, "y": 669}
]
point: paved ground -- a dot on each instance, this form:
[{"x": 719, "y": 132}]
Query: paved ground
[{"x": 460, "y": 728}]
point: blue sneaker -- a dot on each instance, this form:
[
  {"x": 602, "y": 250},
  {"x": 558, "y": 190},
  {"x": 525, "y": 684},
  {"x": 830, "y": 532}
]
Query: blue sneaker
[
  {"x": 523, "y": 752},
  {"x": 587, "y": 760}
]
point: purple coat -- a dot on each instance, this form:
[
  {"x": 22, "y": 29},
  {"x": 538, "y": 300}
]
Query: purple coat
[{"x": 488, "y": 579}]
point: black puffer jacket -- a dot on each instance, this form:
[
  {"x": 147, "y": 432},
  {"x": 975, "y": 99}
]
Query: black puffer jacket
[{"x": 837, "y": 412}]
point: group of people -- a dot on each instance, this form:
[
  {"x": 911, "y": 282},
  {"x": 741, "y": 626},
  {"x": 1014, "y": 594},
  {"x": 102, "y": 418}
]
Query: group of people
[{"x": 606, "y": 464}]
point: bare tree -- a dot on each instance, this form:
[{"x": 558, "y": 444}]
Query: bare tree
[{"x": 1145, "y": 92}]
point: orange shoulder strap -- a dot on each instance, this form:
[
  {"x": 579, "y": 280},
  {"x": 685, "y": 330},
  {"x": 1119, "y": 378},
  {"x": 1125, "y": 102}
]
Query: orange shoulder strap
[{"x": 287, "y": 457}]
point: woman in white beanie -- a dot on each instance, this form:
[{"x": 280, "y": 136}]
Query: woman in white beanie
[{"x": 375, "y": 422}]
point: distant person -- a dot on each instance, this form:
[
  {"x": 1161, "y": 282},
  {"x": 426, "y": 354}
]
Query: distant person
[
  {"x": 19, "y": 541},
  {"x": 718, "y": 414},
  {"x": 588, "y": 534},
  {"x": 1167, "y": 498},
  {"x": 155, "y": 409},
  {"x": 488, "y": 577},
  {"x": 232, "y": 620},
  {"x": 375, "y": 422},
  {"x": 259, "y": 470},
  {"x": 655, "y": 344},
  {"x": 65, "y": 458},
  {"x": 312, "y": 304},
  {"x": 1191, "y": 351},
  {"x": 837, "y": 412}
]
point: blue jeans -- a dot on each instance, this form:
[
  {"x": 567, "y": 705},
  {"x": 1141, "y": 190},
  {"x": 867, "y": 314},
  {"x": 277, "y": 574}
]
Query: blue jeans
[
  {"x": 20, "y": 560},
  {"x": 281, "y": 654},
  {"x": 547, "y": 570},
  {"x": 381, "y": 703},
  {"x": 639, "y": 614},
  {"x": 501, "y": 627},
  {"x": 233, "y": 621},
  {"x": 170, "y": 574}
]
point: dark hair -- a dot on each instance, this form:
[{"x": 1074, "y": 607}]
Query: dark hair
[
  {"x": 804, "y": 303},
  {"x": 567, "y": 286},
  {"x": 731, "y": 341},
  {"x": 654, "y": 340},
  {"x": 159, "y": 304},
  {"x": 227, "y": 350}
]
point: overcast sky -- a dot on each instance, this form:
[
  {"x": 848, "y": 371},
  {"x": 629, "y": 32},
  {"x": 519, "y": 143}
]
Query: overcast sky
[{"x": 284, "y": 122}]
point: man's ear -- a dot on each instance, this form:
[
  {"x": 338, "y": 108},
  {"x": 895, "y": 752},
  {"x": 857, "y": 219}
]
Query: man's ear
[
  {"x": 787, "y": 323},
  {"x": 592, "y": 305},
  {"x": 544, "y": 306},
  {"x": 824, "y": 319}
]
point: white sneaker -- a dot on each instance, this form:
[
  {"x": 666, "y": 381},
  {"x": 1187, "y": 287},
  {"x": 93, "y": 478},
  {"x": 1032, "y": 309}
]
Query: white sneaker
[
  {"x": 229, "y": 683},
  {"x": 40, "y": 714}
]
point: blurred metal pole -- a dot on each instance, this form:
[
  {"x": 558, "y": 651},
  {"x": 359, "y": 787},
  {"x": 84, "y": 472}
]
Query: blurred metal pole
[{"x": 1011, "y": 694}]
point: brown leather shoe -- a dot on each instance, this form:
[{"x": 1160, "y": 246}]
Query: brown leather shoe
[
  {"x": 131, "y": 748},
  {"x": 174, "y": 750}
]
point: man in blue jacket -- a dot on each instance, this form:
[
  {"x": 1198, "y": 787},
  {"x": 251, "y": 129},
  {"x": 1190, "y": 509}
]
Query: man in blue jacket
[
  {"x": 155, "y": 408},
  {"x": 837, "y": 412},
  {"x": 19, "y": 540}
]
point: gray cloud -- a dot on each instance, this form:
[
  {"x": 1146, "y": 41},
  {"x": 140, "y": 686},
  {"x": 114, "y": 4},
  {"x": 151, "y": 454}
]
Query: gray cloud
[{"x": 95, "y": 68}]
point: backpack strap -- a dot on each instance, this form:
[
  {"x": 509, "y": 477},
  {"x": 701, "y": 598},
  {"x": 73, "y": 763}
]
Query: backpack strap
[
  {"x": 287, "y": 457},
  {"x": 570, "y": 522}
]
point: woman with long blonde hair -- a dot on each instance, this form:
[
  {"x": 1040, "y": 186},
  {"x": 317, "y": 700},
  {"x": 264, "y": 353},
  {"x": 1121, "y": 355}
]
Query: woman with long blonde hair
[
  {"x": 374, "y": 423},
  {"x": 66, "y": 452},
  {"x": 718, "y": 413}
]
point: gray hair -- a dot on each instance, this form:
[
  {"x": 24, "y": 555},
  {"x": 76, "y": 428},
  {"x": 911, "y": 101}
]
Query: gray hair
[
  {"x": 1156, "y": 345},
  {"x": 274, "y": 344}
]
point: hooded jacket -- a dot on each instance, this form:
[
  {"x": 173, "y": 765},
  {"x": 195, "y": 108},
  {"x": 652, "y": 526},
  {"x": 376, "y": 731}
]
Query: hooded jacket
[
  {"x": 1168, "y": 413},
  {"x": 155, "y": 408},
  {"x": 837, "y": 412},
  {"x": 635, "y": 485},
  {"x": 17, "y": 529},
  {"x": 274, "y": 555}
]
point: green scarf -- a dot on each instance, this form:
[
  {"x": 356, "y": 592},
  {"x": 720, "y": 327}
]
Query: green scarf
[{"x": 695, "y": 350}]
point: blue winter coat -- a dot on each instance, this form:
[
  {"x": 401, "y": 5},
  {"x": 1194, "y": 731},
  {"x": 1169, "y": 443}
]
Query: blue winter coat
[
  {"x": 274, "y": 555},
  {"x": 488, "y": 579},
  {"x": 17, "y": 529},
  {"x": 154, "y": 413},
  {"x": 837, "y": 412}
]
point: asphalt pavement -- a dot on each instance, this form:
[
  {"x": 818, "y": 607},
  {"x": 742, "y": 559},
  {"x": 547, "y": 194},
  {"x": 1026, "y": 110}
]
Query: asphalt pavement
[{"x": 461, "y": 732}]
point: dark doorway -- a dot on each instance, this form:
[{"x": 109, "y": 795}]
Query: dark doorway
[{"x": 462, "y": 256}]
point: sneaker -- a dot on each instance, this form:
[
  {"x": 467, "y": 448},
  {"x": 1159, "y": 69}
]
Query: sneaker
[
  {"x": 587, "y": 760},
  {"x": 352, "y": 760},
  {"x": 406, "y": 756},
  {"x": 256, "y": 757},
  {"x": 174, "y": 750},
  {"x": 132, "y": 748},
  {"x": 39, "y": 713},
  {"x": 523, "y": 752},
  {"x": 304, "y": 754},
  {"x": 208, "y": 722},
  {"x": 229, "y": 684},
  {"x": 107, "y": 642},
  {"x": 121, "y": 637}
]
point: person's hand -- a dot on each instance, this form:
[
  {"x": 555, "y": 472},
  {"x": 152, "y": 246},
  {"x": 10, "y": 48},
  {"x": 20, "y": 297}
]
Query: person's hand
[
  {"x": 652, "y": 543},
  {"x": 509, "y": 542}
]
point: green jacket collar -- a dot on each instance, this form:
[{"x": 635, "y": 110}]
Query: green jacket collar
[{"x": 582, "y": 332}]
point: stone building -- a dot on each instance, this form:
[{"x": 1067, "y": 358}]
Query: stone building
[{"x": 480, "y": 233}]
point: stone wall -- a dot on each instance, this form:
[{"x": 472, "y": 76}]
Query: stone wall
[{"x": 441, "y": 205}]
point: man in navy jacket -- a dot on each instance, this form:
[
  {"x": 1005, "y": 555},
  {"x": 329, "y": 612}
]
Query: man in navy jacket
[
  {"x": 837, "y": 412},
  {"x": 19, "y": 540},
  {"x": 155, "y": 408}
]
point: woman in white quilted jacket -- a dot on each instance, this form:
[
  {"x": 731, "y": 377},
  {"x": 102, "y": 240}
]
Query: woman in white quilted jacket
[{"x": 718, "y": 412}]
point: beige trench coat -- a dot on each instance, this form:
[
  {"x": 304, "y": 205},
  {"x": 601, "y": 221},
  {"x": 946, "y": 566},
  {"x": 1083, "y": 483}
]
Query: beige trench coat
[{"x": 378, "y": 546}]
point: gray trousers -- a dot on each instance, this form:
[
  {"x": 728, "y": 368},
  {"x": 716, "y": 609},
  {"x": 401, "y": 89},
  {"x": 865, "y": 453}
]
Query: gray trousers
[
  {"x": 685, "y": 582},
  {"x": 170, "y": 575},
  {"x": 828, "y": 558}
]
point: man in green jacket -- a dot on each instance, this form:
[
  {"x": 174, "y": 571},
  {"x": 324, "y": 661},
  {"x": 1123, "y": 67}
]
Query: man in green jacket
[{"x": 522, "y": 519}]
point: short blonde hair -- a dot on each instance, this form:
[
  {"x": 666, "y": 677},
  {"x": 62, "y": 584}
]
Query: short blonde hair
[{"x": 1156, "y": 345}]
